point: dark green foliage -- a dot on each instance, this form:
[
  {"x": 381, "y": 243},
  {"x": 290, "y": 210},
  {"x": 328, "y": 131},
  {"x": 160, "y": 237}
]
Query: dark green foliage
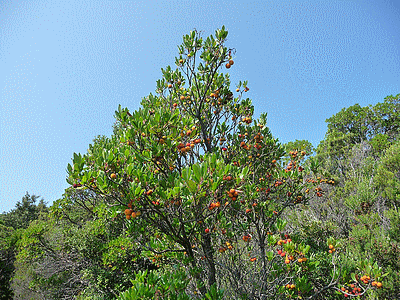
[
  {"x": 6, "y": 261},
  {"x": 77, "y": 250},
  {"x": 12, "y": 225},
  {"x": 361, "y": 152},
  {"x": 25, "y": 211}
]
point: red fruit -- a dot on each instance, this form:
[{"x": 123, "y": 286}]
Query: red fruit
[
  {"x": 207, "y": 230},
  {"x": 246, "y": 238}
]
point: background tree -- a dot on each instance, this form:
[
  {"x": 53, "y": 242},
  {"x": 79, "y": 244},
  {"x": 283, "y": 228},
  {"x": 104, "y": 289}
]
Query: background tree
[
  {"x": 357, "y": 209},
  {"x": 12, "y": 225},
  {"x": 25, "y": 211}
]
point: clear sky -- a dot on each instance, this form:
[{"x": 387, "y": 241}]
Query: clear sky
[{"x": 65, "y": 66}]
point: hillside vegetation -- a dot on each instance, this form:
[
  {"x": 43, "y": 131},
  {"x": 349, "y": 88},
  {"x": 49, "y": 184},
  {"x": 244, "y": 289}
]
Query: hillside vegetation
[{"x": 193, "y": 198}]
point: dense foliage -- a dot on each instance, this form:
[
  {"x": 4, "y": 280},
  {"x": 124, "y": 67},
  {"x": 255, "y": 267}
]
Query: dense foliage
[{"x": 193, "y": 198}]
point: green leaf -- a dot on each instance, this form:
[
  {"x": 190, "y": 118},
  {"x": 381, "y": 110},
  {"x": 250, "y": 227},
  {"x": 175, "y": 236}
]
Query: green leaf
[
  {"x": 185, "y": 174},
  {"x": 192, "y": 186},
  {"x": 196, "y": 170},
  {"x": 138, "y": 190},
  {"x": 213, "y": 160}
]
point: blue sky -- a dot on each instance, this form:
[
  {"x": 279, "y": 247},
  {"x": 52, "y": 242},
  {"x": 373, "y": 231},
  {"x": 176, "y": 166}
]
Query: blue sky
[{"x": 65, "y": 66}]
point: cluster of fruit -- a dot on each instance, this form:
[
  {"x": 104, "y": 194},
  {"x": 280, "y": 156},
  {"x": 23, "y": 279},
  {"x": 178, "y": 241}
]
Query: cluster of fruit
[
  {"x": 318, "y": 191},
  {"x": 246, "y": 89},
  {"x": 278, "y": 183},
  {"x": 227, "y": 246},
  {"x": 366, "y": 279},
  {"x": 129, "y": 213},
  {"x": 331, "y": 181},
  {"x": 258, "y": 138},
  {"x": 184, "y": 148},
  {"x": 233, "y": 194},
  {"x": 244, "y": 145},
  {"x": 227, "y": 178},
  {"x": 229, "y": 64},
  {"x": 321, "y": 180},
  {"x": 290, "y": 286},
  {"x": 289, "y": 258},
  {"x": 293, "y": 166},
  {"x": 295, "y": 153},
  {"x": 214, "y": 205},
  {"x": 247, "y": 238},
  {"x": 247, "y": 120}
]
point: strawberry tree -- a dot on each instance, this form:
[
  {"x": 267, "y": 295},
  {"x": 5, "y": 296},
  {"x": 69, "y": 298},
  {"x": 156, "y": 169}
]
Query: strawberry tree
[{"x": 201, "y": 182}]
